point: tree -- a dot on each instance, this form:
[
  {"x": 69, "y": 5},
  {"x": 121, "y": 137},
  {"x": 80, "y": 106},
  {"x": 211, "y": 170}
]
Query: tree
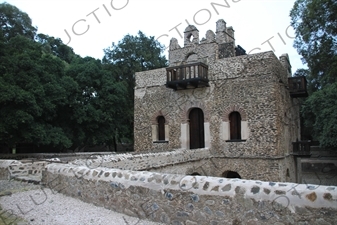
[
  {"x": 319, "y": 112},
  {"x": 32, "y": 87},
  {"x": 133, "y": 54},
  {"x": 51, "y": 96},
  {"x": 315, "y": 24},
  {"x": 15, "y": 22},
  {"x": 99, "y": 104},
  {"x": 56, "y": 47}
]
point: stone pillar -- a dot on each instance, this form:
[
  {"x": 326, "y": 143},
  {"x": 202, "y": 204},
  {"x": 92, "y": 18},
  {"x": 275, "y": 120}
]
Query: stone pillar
[
  {"x": 207, "y": 135},
  {"x": 185, "y": 135},
  {"x": 154, "y": 133},
  {"x": 230, "y": 35},
  {"x": 191, "y": 35},
  {"x": 224, "y": 131},
  {"x": 167, "y": 132},
  {"x": 244, "y": 130},
  {"x": 220, "y": 33},
  {"x": 284, "y": 59}
]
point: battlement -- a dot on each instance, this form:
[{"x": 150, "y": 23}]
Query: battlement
[{"x": 220, "y": 44}]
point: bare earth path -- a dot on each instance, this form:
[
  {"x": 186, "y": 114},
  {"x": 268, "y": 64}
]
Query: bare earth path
[{"x": 43, "y": 206}]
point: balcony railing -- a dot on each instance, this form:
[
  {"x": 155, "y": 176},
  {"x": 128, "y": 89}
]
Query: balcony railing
[
  {"x": 301, "y": 148},
  {"x": 187, "y": 76},
  {"x": 297, "y": 87}
]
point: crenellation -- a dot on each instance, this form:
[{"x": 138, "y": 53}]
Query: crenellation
[
  {"x": 230, "y": 35},
  {"x": 284, "y": 59},
  {"x": 191, "y": 36}
]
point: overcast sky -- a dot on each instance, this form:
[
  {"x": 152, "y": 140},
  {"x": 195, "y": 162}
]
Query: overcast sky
[{"x": 90, "y": 26}]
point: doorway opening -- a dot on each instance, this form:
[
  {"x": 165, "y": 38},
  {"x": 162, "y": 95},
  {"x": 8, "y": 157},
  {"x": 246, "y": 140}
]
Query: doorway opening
[{"x": 197, "y": 133}]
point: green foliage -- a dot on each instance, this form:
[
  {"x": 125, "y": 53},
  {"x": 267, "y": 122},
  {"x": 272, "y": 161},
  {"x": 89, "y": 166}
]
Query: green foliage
[
  {"x": 319, "y": 112},
  {"x": 51, "y": 96},
  {"x": 99, "y": 103},
  {"x": 133, "y": 54},
  {"x": 15, "y": 22},
  {"x": 56, "y": 47},
  {"x": 315, "y": 24},
  {"x": 30, "y": 94}
]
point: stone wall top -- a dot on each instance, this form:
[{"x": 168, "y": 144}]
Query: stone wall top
[
  {"x": 6, "y": 163},
  {"x": 288, "y": 195},
  {"x": 150, "y": 78},
  {"x": 240, "y": 66},
  {"x": 143, "y": 161}
]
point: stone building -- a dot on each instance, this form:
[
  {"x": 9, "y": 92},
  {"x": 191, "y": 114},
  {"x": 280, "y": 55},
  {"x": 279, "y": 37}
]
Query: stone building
[{"x": 242, "y": 108}]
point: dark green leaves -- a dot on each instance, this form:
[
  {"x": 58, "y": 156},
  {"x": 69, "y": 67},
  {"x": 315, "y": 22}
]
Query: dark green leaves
[
  {"x": 51, "y": 96},
  {"x": 14, "y": 22},
  {"x": 315, "y": 24},
  {"x": 319, "y": 112}
]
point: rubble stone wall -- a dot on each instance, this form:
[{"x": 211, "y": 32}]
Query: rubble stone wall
[
  {"x": 250, "y": 169},
  {"x": 13, "y": 168},
  {"x": 254, "y": 85},
  {"x": 201, "y": 161},
  {"x": 143, "y": 161},
  {"x": 181, "y": 199}
]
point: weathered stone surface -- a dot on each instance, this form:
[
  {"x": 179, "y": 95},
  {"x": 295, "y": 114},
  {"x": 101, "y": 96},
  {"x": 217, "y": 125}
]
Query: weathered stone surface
[
  {"x": 254, "y": 85},
  {"x": 172, "y": 205}
]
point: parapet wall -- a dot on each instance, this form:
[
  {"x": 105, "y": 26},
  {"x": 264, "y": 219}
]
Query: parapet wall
[
  {"x": 11, "y": 169},
  {"x": 181, "y": 199},
  {"x": 143, "y": 161},
  {"x": 4, "y": 164}
]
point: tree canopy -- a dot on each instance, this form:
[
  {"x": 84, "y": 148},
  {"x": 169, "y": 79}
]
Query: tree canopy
[
  {"x": 15, "y": 22},
  {"x": 33, "y": 87},
  {"x": 320, "y": 113},
  {"x": 51, "y": 96},
  {"x": 315, "y": 24},
  {"x": 133, "y": 54}
]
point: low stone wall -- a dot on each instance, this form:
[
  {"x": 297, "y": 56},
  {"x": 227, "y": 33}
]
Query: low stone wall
[
  {"x": 12, "y": 168},
  {"x": 181, "y": 199},
  {"x": 202, "y": 161},
  {"x": 143, "y": 161},
  {"x": 4, "y": 172},
  {"x": 249, "y": 169},
  {"x": 27, "y": 168}
]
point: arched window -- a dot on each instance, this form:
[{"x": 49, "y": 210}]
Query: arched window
[
  {"x": 235, "y": 125},
  {"x": 161, "y": 128}
]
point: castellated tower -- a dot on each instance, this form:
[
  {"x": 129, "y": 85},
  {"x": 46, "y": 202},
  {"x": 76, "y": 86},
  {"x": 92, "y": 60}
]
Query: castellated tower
[
  {"x": 241, "y": 108},
  {"x": 218, "y": 45}
]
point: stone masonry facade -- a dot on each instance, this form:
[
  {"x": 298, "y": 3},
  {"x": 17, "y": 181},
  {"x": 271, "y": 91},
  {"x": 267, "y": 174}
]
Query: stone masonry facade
[{"x": 254, "y": 86}]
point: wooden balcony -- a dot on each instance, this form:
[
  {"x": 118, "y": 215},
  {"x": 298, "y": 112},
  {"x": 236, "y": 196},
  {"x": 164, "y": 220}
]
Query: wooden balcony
[
  {"x": 301, "y": 148},
  {"x": 187, "y": 76},
  {"x": 297, "y": 87}
]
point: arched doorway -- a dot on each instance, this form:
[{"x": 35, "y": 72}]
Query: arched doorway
[
  {"x": 231, "y": 174},
  {"x": 197, "y": 134}
]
